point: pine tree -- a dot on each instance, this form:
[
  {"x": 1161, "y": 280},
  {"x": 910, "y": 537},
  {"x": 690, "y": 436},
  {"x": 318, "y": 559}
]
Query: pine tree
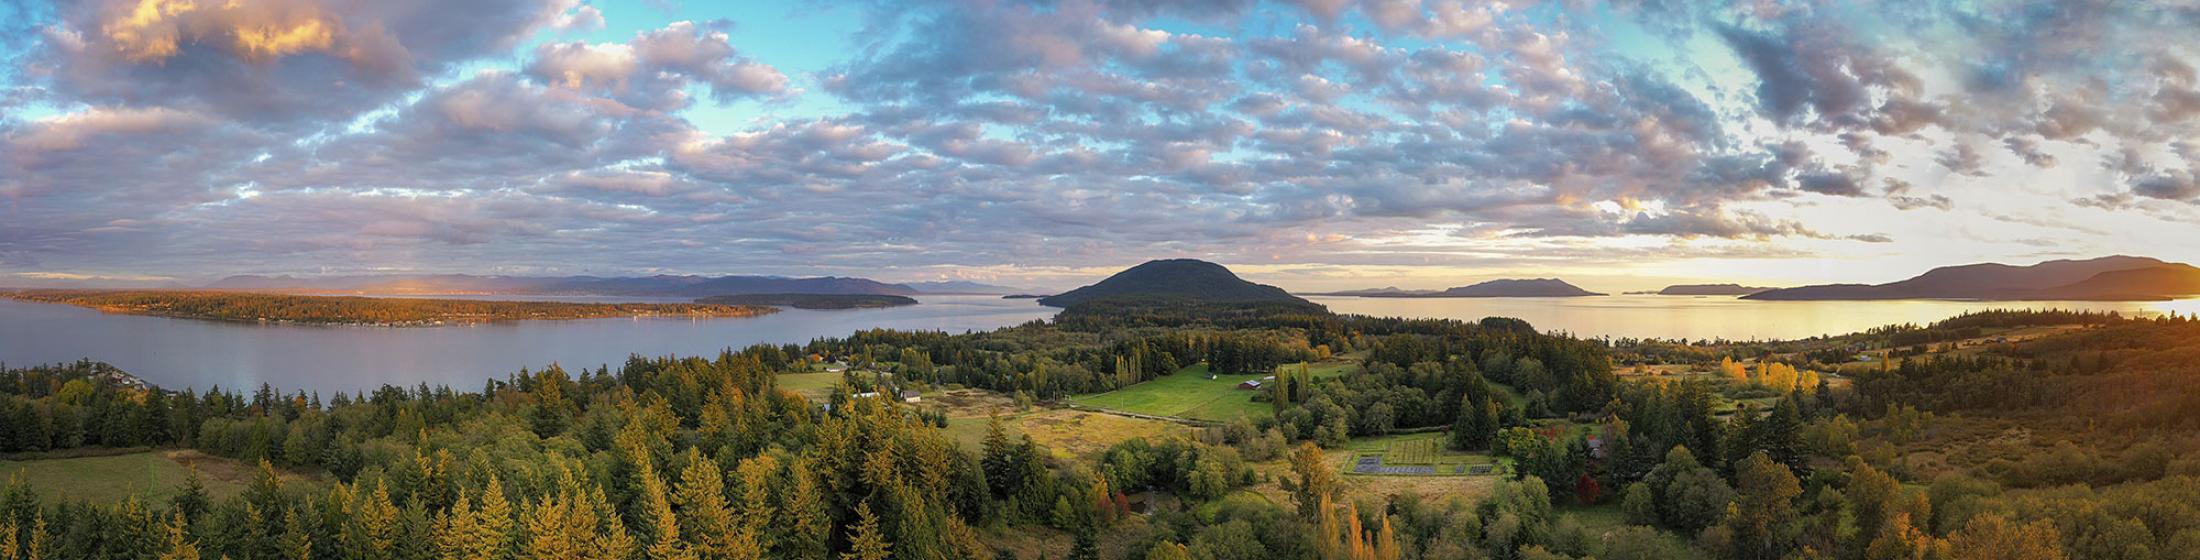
[
  {"x": 611, "y": 539},
  {"x": 864, "y": 540},
  {"x": 759, "y": 475},
  {"x": 706, "y": 523},
  {"x": 8, "y": 545},
  {"x": 494, "y": 521},
  {"x": 179, "y": 545},
  {"x": 807, "y": 524},
  {"x": 297, "y": 542},
  {"x": 550, "y": 533},
  {"x": 455, "y": 531},
  {"x": 663, "y": 526},
  {"x": 372, "y": 528},
  {"x": 192, "y": 500},
  {"x": 35, "y": 549}
]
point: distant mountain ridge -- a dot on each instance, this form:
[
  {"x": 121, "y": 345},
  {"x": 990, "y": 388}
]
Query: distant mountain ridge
[
  {"x": 1509, "y": 287},
  {"x": 1376, "y": 292},
  {"x": 2113, "y": 278},
  {"x": 1186, "y": 279},
  {"x": 961, "y": 287},
  {"x": 689, "y": 286},
  {"x": 1711, "y": 290}
]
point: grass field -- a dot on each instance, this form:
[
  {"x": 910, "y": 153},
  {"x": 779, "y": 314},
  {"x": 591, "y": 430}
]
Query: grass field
[
  {"x": 1069, "y": 434},
  {"x": 1188, "y": 393},
  {"x": 152, "y": 476},
  {"x": 815, "y": 385}
]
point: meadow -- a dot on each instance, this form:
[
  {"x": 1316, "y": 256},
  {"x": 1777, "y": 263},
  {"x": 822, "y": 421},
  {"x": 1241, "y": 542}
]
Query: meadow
[
  {"x": 151, "y": 476},
  {"x": 1189, "y": 393}
]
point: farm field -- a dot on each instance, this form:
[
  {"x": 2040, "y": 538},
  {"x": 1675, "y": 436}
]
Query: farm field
[
  {"x": 1188, "y": 393},
  {"x": 1413, "y": 455},
  {"x": 1069, "y": 434},
  {"x": 152, "y": 476},
  {"x": 816, "y": 385}
]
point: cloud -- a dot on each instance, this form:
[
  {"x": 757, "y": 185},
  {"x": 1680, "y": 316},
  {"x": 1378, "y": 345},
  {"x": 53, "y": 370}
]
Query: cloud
[
  {"x": 654, "y": 70},
  {"x": 269, "y": 60},
  {"x": 192, "y": 135},
  {"x": 2167, "y": 185}
]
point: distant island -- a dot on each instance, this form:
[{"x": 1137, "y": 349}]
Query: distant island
[
  {"x": 813, "y": 301},
  {"x": 1022, "y": 296},
  {"x": 1377, "y": 292},
  {"x": 2116, "y": 278},
  {"x": 1185, "y": 279},
  {"x": 684, "y": 286},
  {"x": 1710, "y": 290},
  {"x": 1535, "y": 287},
  {"x": 960, "y": 287},
  {"x": 362, "y": 311}
]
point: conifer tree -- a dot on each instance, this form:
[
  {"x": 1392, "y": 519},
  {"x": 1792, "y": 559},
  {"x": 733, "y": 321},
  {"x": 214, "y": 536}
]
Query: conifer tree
[
  {"x": 494, "y": 520},
  {"x": 455, "y": 530},
  {"x": 663, "y": 526},
  {"x": 297, "y": 541},
  {"x": 706, "y": 523},
  {"x": 191, "y": 501},
  {"x": 807, "y": 523},
  {"x": 178, "y": 545},
  {"x": 8, "y": 544},
  {"x": 864, "y": 540},
  {"x": 759, "y": 476}
]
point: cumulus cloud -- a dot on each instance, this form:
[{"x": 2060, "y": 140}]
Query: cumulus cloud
[
  {"x": 655, "y": 69},
  {"x": 1045, "y": 134},
  {"x": 269, "y": 60}
]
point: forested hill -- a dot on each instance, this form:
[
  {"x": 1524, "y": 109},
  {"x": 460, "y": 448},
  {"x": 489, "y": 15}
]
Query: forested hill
[
  {"x": 2106, "y": 278},
  {"x": 1180, "y": 279}
]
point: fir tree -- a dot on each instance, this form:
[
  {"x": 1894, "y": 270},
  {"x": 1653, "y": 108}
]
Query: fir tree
[{"x": 864, "y": 540}]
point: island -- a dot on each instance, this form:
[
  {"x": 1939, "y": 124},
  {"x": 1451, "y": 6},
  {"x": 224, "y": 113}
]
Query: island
[
  {"x": 813, "y": 301},
  {"x": 1023, "y": 296},
  {"x": 1392, "y": 291},
  {"x": 1710, "y": 290},
  {"x": 1176, "y": 281},
  {"x": 1534, "y": 287},
  {"x": 2112, "y": 278},
  {"x": 360, "y": 310}
]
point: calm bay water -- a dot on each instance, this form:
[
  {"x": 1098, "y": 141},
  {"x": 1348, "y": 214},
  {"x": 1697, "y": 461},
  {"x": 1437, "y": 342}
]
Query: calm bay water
[
  {"x": 1673, "y": 317},
  {"x": 179, "y": 353}
]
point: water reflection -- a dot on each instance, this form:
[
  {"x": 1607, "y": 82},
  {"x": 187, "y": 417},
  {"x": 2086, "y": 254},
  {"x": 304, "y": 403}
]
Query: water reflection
[{"x": 177, "y": 353}]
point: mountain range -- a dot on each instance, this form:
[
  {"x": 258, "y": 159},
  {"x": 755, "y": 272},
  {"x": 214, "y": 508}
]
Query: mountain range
[
  {"x": 644, "y": 286},
  {"x": 2114, "y": 278},
  {"x": 1711, "y": 290},
  {"x": 963, "y": 287},
  {"x": 1510, "y": 287},
  {"x": 1186, "y": 279}
]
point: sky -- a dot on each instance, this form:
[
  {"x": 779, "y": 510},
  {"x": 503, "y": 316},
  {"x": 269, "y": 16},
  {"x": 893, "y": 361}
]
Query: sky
[{"x": 1312, "y": 144}]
